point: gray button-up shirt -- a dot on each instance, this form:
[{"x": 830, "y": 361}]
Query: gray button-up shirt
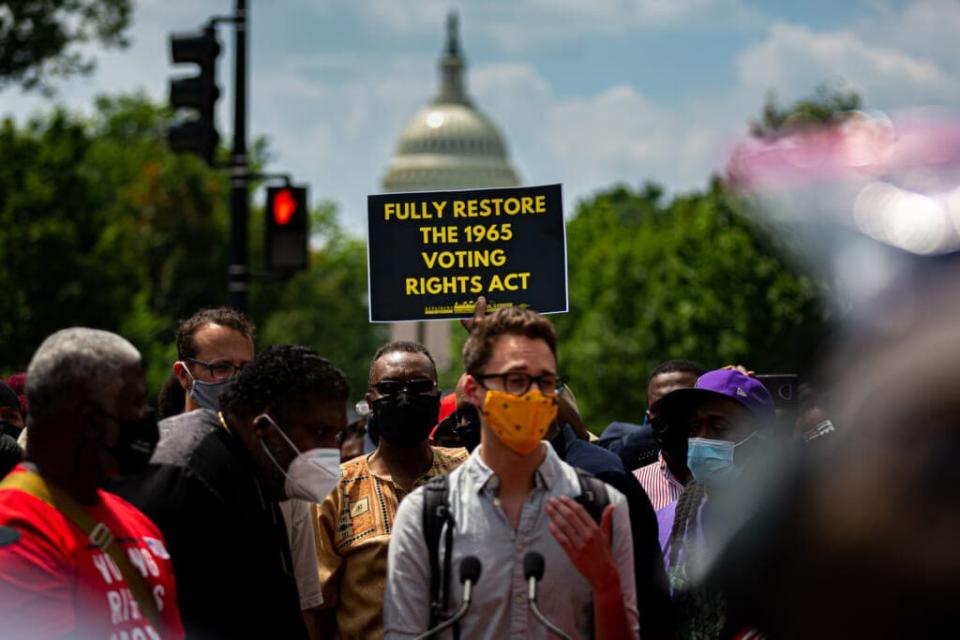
[{"x": 500, "y": 608}]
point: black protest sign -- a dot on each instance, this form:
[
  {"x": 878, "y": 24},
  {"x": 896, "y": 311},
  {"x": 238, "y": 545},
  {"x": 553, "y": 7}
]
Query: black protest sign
[{"x": 431, "y": 254}]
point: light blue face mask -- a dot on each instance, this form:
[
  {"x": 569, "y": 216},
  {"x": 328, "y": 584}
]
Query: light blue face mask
[
  {"x": 207, "y": 394},
  {"x": 711, "y": 461}
]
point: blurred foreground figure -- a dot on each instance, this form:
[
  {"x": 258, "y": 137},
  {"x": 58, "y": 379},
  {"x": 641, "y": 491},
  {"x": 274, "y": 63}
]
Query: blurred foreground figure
[
  {"x": 76, "y": 561},
  {"x": 859, "y": 541},
  {"x": 215, "y": 483},
  {"x": 812, "y": 421}
]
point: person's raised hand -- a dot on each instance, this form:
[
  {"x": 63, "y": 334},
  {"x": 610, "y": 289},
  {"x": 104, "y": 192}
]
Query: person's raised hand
[
  {"x": 479, "y": 311},
  {"x": 739, "y": 367},
  {"x": 585, "y": 543}
]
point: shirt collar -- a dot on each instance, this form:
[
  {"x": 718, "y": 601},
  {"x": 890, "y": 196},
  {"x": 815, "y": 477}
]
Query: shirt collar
[
  {"x": 429, "y": 473},
  {"x": 661, "y": 463},
  {"x": 482, "y": 476},
  {"x": 665, "y": 469}
]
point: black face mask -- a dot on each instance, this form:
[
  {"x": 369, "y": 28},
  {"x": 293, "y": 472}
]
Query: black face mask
[
  {"x": 404, "y": 419},
  {"x": 136, "y": 443}
]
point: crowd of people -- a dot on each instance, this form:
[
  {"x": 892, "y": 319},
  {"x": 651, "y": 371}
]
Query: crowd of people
[{"x": 256, "y": 508}]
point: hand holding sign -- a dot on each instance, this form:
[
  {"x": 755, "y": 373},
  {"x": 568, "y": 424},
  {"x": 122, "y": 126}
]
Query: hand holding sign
[{"x": 478, "y": 313}]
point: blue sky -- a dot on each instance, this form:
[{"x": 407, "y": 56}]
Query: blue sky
[{"x": 587, "y": 92}]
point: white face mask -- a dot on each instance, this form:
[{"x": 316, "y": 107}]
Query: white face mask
[{"x": 312, "y": 475}]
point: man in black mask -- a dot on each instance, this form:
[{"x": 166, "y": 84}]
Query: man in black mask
[{"x": 354, "y": 522}]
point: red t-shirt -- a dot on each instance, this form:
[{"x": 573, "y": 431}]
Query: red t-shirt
[{"x": 54, "y": 581}]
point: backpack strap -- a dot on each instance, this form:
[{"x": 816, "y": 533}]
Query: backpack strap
[
  {"x": 593, "y": 494},
  {"x": 99, "y": 534},
  {"x": 436, "y": 511}
]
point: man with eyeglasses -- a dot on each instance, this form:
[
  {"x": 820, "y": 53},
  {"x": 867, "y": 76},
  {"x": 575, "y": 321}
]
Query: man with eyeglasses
[
  {"x": 212, "y": 346},
  {"x": 513, "y": 496},
  {"x": 353, "y": 524}
]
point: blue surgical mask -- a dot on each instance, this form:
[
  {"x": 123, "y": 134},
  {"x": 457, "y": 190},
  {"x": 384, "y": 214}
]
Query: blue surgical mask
[
  {"x": 207, "y": 394},
  {"x": 711, "y": 461}
]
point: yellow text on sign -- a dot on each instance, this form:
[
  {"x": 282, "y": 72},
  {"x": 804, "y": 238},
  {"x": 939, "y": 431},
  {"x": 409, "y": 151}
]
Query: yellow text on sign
[
  {"x": 449, "y": 234},
  {"x": 473, "y": 208},
  {"x": 435, "y": 285}
]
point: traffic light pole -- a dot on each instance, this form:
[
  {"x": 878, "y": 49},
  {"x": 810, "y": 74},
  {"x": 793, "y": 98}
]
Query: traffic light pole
[
  {"x": 199, "y": 136},
  {"x": 237, "y": 272}
]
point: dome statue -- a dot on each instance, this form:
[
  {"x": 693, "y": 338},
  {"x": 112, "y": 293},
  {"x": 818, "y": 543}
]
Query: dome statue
[{"x": 450, "y": 144}]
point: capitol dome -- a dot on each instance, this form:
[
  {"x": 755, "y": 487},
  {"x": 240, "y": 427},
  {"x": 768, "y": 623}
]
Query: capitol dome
[{"x": 449, "y": 144}]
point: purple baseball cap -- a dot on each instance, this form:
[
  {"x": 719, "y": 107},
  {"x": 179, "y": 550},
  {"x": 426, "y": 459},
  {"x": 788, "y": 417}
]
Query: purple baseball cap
[{"x": 727, "y": 383}]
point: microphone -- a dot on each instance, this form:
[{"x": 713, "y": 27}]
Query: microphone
[
  {"x": 470, "y": 569},
  {"x": 533, "y": 572}
]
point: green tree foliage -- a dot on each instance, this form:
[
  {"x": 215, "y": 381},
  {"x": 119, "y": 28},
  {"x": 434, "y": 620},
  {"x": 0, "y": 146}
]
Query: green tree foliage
[
  {"x": 40, "y": 39},
  {"x": 101, "y": 226},
  {"x": 827, "y": 106},
  {"x": 324, "y": 307},
  {"x": 692, "y": 278}
]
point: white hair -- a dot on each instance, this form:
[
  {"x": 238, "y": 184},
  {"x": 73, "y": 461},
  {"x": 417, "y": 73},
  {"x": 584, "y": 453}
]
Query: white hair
[{"x": 71, "y": 363}]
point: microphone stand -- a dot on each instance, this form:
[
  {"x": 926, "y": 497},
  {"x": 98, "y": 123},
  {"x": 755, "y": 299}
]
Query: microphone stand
[
  {"x": 467, "y": 597},
  {"x": 532, "y": 599},
  {"x": 460, "y": 612}
]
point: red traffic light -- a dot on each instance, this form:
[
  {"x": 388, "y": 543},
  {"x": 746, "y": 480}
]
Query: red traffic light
[
  {"x": 284, "y": 206},
  {"x": 288, "y": 229}
]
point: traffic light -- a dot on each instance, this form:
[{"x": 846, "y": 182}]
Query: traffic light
[
  {"x": 200, "y": 92},
  {"x": 288, "y": 229}
]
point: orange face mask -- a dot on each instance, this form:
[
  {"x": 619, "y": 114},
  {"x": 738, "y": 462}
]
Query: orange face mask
[{"x": 519, "y": 421}]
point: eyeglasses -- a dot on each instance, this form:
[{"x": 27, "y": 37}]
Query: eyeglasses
[
  {"x": 219, "y": 370},
  {"x": 519, "y": 383},
  {"x": 415, "y": 387}
]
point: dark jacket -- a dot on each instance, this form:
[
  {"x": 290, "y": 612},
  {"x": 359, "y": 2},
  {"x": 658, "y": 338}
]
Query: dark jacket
[
  {"x": 633, "y": 443},
  {"x": 227, "y": 541}
]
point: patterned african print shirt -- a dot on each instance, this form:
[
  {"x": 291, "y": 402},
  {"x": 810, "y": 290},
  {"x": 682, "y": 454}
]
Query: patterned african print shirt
[{"x": 353, "y": 533}]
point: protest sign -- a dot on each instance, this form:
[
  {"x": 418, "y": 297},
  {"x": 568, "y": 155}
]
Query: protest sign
[{"x": 431, "y": 254}]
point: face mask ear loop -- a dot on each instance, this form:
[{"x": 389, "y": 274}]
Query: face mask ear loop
[
  {"x": 286, "y": 439},
  {"x": 193, "y": 380},
  {"x": 745, "y": 439},
  {"x": 266, "y": 449}
]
